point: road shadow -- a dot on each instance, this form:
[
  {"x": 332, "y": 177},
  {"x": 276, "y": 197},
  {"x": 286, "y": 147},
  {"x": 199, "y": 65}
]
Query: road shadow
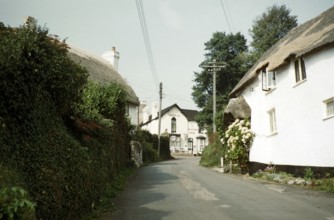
[{"x": 135, "y": 201}]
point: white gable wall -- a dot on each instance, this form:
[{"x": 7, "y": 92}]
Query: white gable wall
[
  {"x": 303, "y": 136},
  {"x": 186, "y": 129},
  {"x": 133, "y": 113}
]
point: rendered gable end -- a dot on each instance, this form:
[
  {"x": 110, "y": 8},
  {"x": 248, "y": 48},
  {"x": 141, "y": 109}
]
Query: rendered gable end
[{"x": 186, "y": 137}]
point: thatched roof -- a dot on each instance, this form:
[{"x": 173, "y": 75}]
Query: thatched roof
[
  {"x": 101, "y": 71},
  {"x": 236, "y": 108},
  {"x": 305, "y": 39}
]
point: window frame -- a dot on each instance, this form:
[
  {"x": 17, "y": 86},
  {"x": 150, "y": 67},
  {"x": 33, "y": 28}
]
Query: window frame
[
  {"x": 173, "y": 125},
  {"x": 328, "y": 102},
  {"x": 268, "y": 80},
  {"x": 175, "y": 141},
  {"x": 272, "y": 119},
  {"x": 300, "y": 70}
]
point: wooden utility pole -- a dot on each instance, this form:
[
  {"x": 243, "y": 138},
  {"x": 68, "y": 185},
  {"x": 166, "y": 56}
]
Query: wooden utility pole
[
  {"x": 214, "y": 67},
  {"x": 159, "y": 126}
]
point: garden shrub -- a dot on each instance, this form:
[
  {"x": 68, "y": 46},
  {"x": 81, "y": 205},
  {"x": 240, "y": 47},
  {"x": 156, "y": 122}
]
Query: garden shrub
[
  {"x": 212, "y": 154},
  {"x": 238, "y": 139}
]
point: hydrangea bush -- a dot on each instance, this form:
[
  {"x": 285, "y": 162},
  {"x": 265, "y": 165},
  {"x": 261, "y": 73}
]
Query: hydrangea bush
[{"x": 238, "y": 139}]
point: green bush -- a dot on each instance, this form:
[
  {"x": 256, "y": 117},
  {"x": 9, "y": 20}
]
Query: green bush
[
  {"x": 15, "y": 204},
  {"x": 212, "y": 154},
  {"x": 102, "y": 103},
  {"x": 238, "y": 139},
  {"x": 327, "y": 185},
  {"x": 308, "y": 173},
  {"x": 149, "y": 143}
]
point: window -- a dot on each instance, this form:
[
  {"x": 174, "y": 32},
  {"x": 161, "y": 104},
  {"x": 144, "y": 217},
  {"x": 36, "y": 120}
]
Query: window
[
  {"x": 201, "y": 143},
  {"x": 175, "y": 141},
  {"x": 127, "y": 110},
  {"x": 329, "y": 107},
  {"x": 272, "y": 121},
  {"x": 268, "y": 80},
  {"x": 300, "y": 72},
  {"x": 173, "y": 125}
]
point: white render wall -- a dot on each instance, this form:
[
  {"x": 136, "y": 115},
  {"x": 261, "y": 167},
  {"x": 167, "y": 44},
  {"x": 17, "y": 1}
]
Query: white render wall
[
  {"x": 304, "y": 137},
  {"x": 133, "y": 113},
  {"x": 187, "y": 129}
]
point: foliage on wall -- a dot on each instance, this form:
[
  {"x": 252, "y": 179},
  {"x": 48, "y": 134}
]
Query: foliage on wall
[{"x": 64, "y": 157}]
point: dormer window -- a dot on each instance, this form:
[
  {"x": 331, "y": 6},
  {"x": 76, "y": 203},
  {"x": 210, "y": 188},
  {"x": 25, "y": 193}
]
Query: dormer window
[
  {"x": 268, "y": 80},
  {"x": 300, "y": 71}
]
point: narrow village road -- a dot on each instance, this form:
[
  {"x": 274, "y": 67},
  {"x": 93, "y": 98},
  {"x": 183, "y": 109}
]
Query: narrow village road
[{"x": 181, "y": 189}]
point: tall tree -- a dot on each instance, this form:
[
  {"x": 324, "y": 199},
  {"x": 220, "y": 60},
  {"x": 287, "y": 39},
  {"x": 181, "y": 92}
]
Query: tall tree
[
  {"x": 222, "y": 47},
  {"x": 268, "y": 28}
]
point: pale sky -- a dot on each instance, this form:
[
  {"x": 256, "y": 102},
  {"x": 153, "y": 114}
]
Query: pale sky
[{"x": 177, "y": 31}]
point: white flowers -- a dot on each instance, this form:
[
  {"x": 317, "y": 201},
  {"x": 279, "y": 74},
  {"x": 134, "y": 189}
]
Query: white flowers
[{"x": 238, "y": 139}]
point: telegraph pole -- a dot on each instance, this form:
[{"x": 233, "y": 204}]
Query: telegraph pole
[
  {"x": 159, "y": 126},
  {"x": 214, "y": 67}
]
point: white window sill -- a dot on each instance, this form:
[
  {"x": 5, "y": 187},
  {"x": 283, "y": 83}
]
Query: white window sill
[
  {"x": 328, "y": 117},
  {"x": 271, "y": 90},
  {"x": 300, "y": 82},
  {"x": 272, "y": 134}
]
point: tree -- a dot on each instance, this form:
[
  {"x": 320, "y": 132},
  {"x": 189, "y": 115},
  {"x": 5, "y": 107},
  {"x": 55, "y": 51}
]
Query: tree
[
  {"x": 227, "y": 48},
  {"x": 270, "y": 27}
]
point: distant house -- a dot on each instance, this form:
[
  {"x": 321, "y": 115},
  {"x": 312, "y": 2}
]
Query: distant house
[
  {"x": 290, "y": 92},
  {"x": 179, "y": 125},
  {"x": 102, "y": 71}
]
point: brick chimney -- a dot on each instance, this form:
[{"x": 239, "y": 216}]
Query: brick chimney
[{"x": 112, "y": 57}]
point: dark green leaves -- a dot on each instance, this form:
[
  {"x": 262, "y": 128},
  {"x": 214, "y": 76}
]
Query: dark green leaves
[
  {"x": 271, "y": 26},
  {"x": 228, "y": 48}
]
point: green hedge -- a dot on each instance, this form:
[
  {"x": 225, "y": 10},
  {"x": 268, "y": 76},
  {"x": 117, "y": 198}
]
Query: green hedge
[
  {"x": 212, "y": 154},
  {"x": 149, "y": 143},
  {"x": 64, "y": 159}
]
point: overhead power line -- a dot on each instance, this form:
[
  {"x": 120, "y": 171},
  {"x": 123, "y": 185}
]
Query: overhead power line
[
  {"x": 148, "y": 47},
  {"x": 228, "y": 22}
]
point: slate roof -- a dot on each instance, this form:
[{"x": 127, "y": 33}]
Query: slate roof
[
  {"x": 101, "y": 71},
  {"x": 189, "y": 114},
  {"x": 314, "y": 35}
]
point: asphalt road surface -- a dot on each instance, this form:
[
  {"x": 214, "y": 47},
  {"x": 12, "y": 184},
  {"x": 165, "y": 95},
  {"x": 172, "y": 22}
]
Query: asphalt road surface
[{"x": 181, "y": 189}]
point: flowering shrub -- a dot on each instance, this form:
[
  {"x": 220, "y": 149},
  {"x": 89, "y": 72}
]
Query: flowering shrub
[{"x": 237, "y": 140}]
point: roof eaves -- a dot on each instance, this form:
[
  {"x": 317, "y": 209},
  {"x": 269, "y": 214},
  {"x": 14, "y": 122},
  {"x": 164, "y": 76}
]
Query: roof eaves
[{"x": 314, "y": 35}]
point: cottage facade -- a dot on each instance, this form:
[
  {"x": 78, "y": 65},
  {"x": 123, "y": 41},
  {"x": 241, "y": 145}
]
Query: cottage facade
[
  {"x": 290, "y": 92},
  {"x": 180, "y": 126}
]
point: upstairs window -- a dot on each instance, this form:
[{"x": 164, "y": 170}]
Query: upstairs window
[
  {"x": 272, "y": 122},
  {"x": 329, "y": 108},
  {"x": 300, "y": 72},
  {"x": 173, "y": 125},
  {"x": 268, "y": 80}
]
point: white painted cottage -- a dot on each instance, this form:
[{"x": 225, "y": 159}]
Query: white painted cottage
[
  {"x": 179, "y": 125},
  {"x": 290, "y": 92}
]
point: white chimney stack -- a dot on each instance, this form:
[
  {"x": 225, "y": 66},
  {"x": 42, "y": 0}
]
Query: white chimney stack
[
  {"x": 112, "y": 57},
  {"x": 154, "y": 110}
]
